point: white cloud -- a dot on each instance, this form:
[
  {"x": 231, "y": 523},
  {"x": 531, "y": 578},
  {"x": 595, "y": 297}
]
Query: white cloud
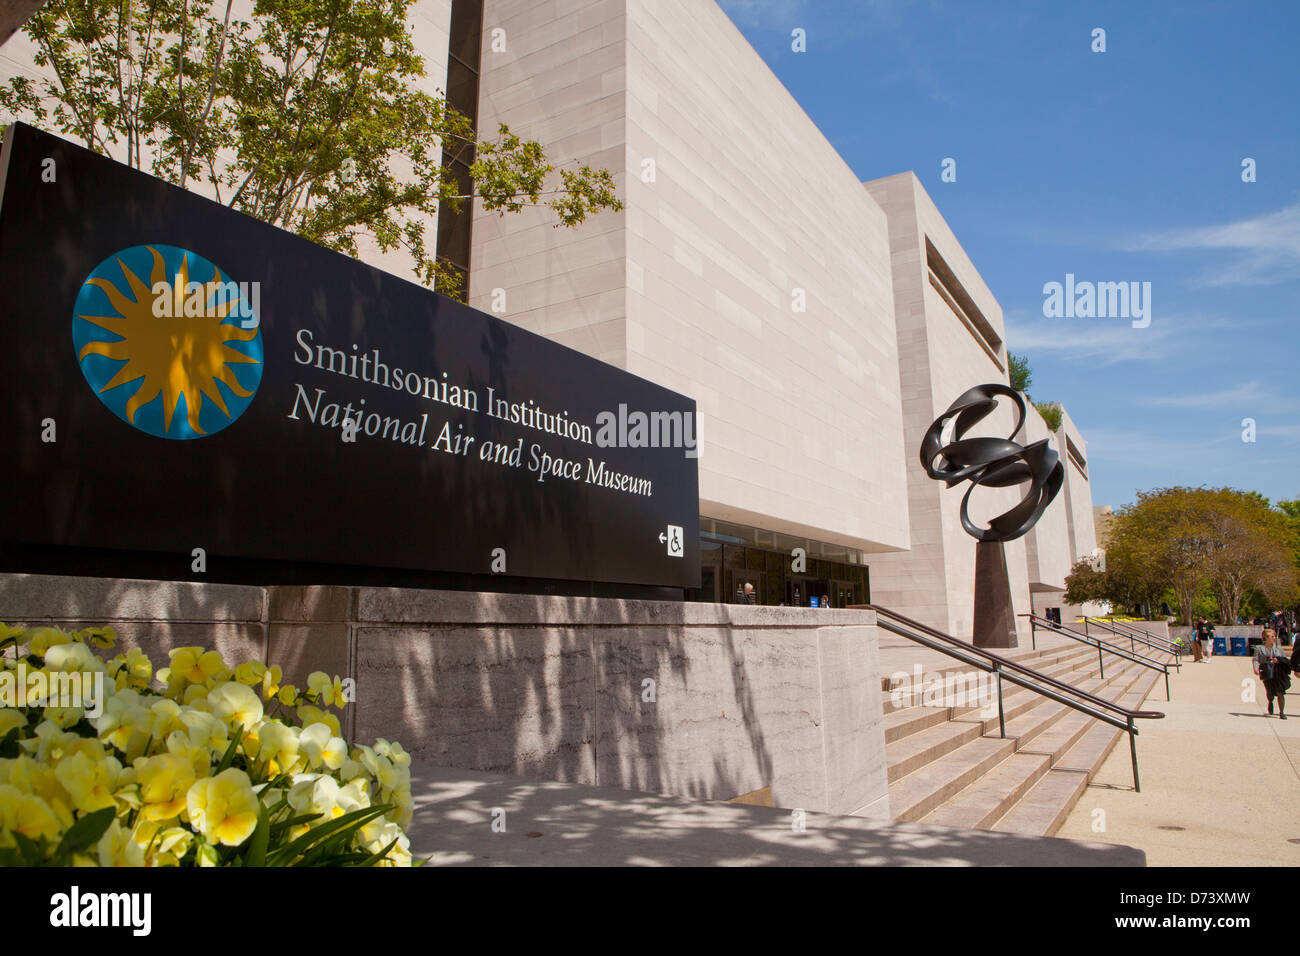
[
  {"x": 1247, "y": 393},
  {"x": 1097, "y": 341},
  {"x": 1269, "y": 247},
  {"x": 1184, "y": 461},
  {"x": 1290, "y": 431},
  {"x": 761, "y": 12}
]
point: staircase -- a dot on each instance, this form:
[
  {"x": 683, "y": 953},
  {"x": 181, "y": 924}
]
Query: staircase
[{"x": 948, "y": 765}]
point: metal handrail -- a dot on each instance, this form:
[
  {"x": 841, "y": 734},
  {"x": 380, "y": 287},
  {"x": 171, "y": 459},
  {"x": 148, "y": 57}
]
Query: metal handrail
[
  {"x": 1135, "y": 634},
  {"x": 1036, "y": 621},
  {"x": 1018, "y": 674}
]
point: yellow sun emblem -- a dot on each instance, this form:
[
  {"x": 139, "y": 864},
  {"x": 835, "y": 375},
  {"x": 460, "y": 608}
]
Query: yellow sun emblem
[{"x": 173, "y": 348}]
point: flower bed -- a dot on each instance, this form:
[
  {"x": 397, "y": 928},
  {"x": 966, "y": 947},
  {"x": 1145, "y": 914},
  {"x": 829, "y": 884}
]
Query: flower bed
[{"x": 197, "y": 765}]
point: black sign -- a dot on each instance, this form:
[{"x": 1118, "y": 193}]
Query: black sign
[{"x": 175, "y": 375}]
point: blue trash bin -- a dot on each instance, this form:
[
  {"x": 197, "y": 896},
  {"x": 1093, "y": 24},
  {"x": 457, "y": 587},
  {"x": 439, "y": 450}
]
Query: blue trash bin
[
  {"x": 1220, "y": 646},
  {"x": 1238, "y": 647}
]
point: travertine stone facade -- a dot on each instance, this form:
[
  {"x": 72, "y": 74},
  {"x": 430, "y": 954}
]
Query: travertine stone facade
[
  {"x": 751, "y": 271},
  {"x": 1047, "y": 550},
  {"x": 940, "y": 357},
  {"x": 738, "y": 212},
  {"x": 1077, "y": 491}
]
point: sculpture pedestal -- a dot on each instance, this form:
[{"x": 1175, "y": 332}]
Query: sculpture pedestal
[{"x": 995, "y": 617}]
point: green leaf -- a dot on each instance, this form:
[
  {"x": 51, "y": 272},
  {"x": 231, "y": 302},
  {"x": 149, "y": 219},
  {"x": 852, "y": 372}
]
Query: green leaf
[
  {"x": 32, "y": 852},
  {"x": 229, "y": 756},
  {"x": 86, "y": 832},
  {"x": 9, "y": 745},
  {"x": 341, "y": 829},
  {"x": 256, "y": 855}
]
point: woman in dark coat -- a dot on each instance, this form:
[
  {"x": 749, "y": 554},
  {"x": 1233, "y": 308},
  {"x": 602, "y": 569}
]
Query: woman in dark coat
[{"x": 1273, "y": 668}]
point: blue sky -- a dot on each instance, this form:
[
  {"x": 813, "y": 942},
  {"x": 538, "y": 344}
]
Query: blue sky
[{"x": 1117, "y": 166}]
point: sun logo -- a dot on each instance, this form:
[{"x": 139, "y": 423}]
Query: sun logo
[{"x": 173, "y": 357}]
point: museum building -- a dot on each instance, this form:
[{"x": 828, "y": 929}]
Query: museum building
[{"x": 820, "y": 323}]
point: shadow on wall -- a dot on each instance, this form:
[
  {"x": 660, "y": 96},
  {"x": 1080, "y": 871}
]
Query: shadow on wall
[
  {"x": 702, "y": 701},
  {"x": 155, "y": 616},
  {"x": 590, "y": 694}
]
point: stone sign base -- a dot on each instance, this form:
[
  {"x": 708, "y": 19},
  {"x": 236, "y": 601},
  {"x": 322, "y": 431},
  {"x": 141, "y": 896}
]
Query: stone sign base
[{"x": 698, "y": 700}]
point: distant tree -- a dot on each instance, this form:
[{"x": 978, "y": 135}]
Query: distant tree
[
  {"x": 1209, "y": 548},
  {"x": 1018, "y": 372},
  {"x": 1130, "y": 577},
  {"x": 1250, "y": 548},
  {"x": 306, "y": 115}
]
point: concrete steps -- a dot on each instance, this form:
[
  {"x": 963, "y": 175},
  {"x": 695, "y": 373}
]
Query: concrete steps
[
  {"x": 949, "y": 766},
  {"x": 918, "y": 735}
]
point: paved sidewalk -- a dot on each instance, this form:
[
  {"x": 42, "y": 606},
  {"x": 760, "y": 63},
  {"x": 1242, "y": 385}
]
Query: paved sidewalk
[
  {"x": 560, "y": 824},
  {"x": 1220, "y": 778}
]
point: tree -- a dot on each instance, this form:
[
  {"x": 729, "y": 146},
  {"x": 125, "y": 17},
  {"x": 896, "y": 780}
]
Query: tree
[
  {"x": 1250, "y": 549},
  {"x": 306, "y": 115},
  {"x": 1018, "y": 372},
  {"x": 1130, "y": 575},
  {"x": 1218, "y": 545}
]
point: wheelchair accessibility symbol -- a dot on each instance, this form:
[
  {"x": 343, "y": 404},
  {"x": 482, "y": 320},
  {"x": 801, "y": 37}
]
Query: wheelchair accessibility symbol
[{"x": 673, "y": 539}]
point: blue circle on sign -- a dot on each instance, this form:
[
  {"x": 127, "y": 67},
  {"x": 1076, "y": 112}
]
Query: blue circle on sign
[{"x": 169, "y": 343}]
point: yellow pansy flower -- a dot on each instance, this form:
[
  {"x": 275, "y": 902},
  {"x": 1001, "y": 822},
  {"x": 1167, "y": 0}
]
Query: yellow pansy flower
[
  {"x": 89, "y": 783},
  {"x": 190, "y": 665},
  {"x": 224, "y": 808},
  {"x": 165, "y": 781},
  {"x": 119, "y": 847},
  {"x": 71, "y": 658},
  {"x": 11, "y": 717},
  {"x": 103, "y": 637},
  {"x": 321, "y": 747},
  {"x": 279, "y": 747},
  {"x": 132, "y": 669},
  {"x": 377, "y": 834},
  {"x": 172, "y": 844},
  {"x": 126, "y": 723},
  {"x": 235, "y": 704},
  {"x": 166, "y": 718},
  {"x": 250, "y": 673},
  {"x": 271, "y": 682},
  {"x": 393, "y": 751},
  {"x": 328, "y": 690},
  {"x": 308, "y": 715},
  {"x": 27, "y": 814},
  {"x": 43, "y": 638}
]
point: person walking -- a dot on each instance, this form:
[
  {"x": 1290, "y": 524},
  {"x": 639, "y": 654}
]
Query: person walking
[
  {"x": 1274, "y": 670},
  {"x": 1205, "y": 635}
]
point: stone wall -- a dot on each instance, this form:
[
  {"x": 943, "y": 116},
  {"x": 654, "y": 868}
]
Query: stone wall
[{"x": 698, "y": 700}]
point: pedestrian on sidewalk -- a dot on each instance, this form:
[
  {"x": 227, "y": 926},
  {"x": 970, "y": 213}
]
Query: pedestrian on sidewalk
[
  {"x": 1205, "y": 636},
  {"x": 1274, "y": 670}
]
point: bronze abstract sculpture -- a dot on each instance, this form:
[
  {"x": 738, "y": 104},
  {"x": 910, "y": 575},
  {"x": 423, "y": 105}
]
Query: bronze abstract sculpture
[{"x": 993, "y": 463}]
